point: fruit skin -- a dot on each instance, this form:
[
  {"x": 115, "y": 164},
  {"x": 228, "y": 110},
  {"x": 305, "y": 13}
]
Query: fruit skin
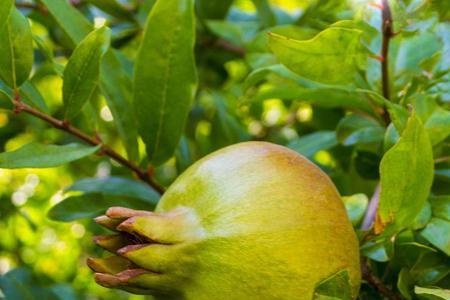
[{"x": 250, "y": 221}]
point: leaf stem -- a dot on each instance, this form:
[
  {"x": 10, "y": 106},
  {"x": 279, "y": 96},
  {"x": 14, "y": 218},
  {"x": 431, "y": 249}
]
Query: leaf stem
[{"x": 94, "y": 141}]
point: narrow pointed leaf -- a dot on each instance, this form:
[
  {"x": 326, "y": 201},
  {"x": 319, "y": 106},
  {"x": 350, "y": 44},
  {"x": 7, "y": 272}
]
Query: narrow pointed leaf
[
  {"x": 114, "y": 82},
  {"x": 81, "y": 74},
  {"x": 406, "y": 176},
  {"x": 71, "y": 21},
  {"x": 165, "y": 77},
  {"x": 36, "y": 155},
  {"x": 332, "y": 56},
  {"x": 16, "y": 50}
]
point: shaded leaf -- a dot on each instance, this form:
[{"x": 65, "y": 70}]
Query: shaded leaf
[
  {"x": 440, "y": 206},
  {"x": 208, "y": 9},
  {"x": 16, "y": 50},
  {"x": 310, "y": 144},
  {"x": 92, "y": 205},
  {"x": 355, "y": 129},
  {"x": 237, "y": 33},
  {"x": 265, "y": 14},
  {"x": 81, "y": 74},
  {"x": 5, "y": 101},
  {"x": 165, "y": 77},
  {"x": 437, "y": 233},
  {"x": 406, "y": 176},
  {"x": 116, "y": 186},
  {"x": 375, "y": 250},
  {"x": 333, "y": 56},
  {"x": 114, "y": 8},
  {"x": 71, "y": 21},
  {"x": 31, "y": 95},
  {"x": 356, "y": 206},
  {"x": 36, "y": 155}
]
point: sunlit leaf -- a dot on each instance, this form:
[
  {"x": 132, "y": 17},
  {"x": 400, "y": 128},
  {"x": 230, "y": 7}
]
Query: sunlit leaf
[
  {"x": 16, "y": 50},
  {"x": 356, "y": 129},
  {"x": 333, "y": 56},
  {"x": 5, "y": 10},
  {"x": 36, "y": 155},
  {"x": 406, "y": 176},
  {"x": 432, "y": 293},
  {"x": 165, "y": 77},
  {"x": 81, "y": 74}
]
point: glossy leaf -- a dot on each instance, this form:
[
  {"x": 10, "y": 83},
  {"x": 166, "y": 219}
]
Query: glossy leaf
[
  {"x": 336, "y": 286},
  {"x": 5, "y": 10},
  {"x": 20, "y": 284},
  {"x": 165, "y": 77},
  {"x": 81, "y": 74},
  {"x": 114, "y": 8},
  {"x": 71, "y": 21},
  {"x": 438, "y": 125},
  {"x": 406, "y": 176},
  {"x": 116, "y": 186},
  {"x": 375, "y": 250},
  {"x": 265, "y": 14},
  {"x": 356, "y": 206},
  {"x": 437, "y": 233},
  {"x": 115, "y": 83},
  {"x": 31, "y": 95},
  {"x": 92, "y": 205},
  {"x": 356, "y": 129},
  {"x": 333, "y": 56},
  {"x": 36, "y": 155},
  {"x": 16, "y": 50},
  {"x": 310, "y": 144}
]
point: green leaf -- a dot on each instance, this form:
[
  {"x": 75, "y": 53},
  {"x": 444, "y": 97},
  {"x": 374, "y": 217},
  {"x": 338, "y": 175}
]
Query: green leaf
[
  {"x": 165, "y": 77},
  {"x": 92, "y": 205},
  {"x": 16, "y": 50},
  {"x": 31, "y": 95},
  {"x": 440, "y": 206},
  {"x": 355, "y": 129},
  {"x": 116, "y": 87},
  {"x": 406, "y": 176},
  {"x": 375, "y": 250},
  {"x": 5, "y": 10},
  {"x": 430, "y": 292},
  {"x": 356, "y": 206},
  {"x": 437, "y": 233},
  {"x": 116, "y": 186},
  {"x": 237, "y": 33},
  {"x": 71, "y": 21},
  {"x": 114, "y": 8},
  {"x": 36, "y": 155},
  {"x": 336, "y": 286},
  {"x": 405, "y": 283},
  {"x": 115, "y": 84},
  {"x": 81, "y": 74},
  {"x": 333, "y": 56},
  {"x": 5, "y": 101},
  {"x": 265, "y": 14},
  {"x": 207, "y": 9},
  {"x": 310, "y": 144},
  {"x": 438, "y": 125}
]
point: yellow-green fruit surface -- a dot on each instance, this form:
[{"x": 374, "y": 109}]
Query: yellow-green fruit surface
[{"x": 270, "y": 225}]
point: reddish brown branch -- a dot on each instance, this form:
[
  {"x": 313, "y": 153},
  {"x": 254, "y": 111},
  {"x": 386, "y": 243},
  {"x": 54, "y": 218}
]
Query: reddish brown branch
[
  {"x": 91, "y": 140},
  {"x": 377, "y": 283}
]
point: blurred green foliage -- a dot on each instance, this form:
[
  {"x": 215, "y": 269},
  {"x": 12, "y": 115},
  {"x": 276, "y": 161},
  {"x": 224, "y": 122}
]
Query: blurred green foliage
[{"x": 293, "y": 72}]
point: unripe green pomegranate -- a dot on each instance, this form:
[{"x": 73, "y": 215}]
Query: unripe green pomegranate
[{"x": 251, "y": 221}]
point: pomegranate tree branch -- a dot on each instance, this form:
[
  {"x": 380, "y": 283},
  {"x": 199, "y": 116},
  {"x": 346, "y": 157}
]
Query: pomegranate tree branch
[
  {"x": 377, "y": 283},
  {"x": 104, "y": 149}
]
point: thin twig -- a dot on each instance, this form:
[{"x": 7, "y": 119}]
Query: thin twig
[
  {"x": 442, "y": 159},
  {"x": 376, "y": 282},
  {"x": 94, "y": 141}
]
